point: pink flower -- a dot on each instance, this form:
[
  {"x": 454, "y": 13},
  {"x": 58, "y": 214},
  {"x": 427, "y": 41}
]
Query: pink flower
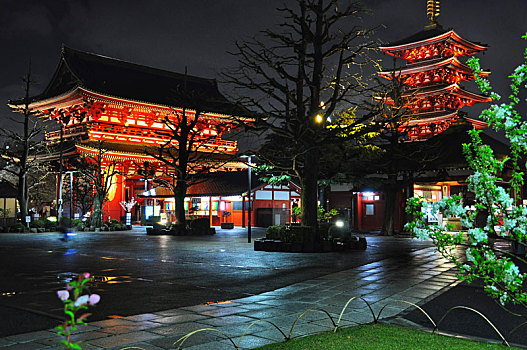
[
  {"x": 63, "y": 295},
  {"x": 86, "y": 275},
  {"x": 94, "y": 299},
  {"x": 68, "y": 287},
  {"x": 81, "y": 300}
]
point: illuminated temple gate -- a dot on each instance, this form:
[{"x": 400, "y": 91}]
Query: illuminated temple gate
[{"x": 95, "y": 98}]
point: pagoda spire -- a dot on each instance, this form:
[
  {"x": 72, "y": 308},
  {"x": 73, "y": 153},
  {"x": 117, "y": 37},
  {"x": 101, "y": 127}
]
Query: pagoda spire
[{"x": 432, "y": 12}]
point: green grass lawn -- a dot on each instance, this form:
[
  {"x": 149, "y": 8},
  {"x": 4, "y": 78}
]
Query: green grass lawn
[{"x": 380, "y": 336}]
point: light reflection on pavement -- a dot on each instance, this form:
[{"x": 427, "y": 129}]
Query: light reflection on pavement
[{"x": 135, "y": 273}]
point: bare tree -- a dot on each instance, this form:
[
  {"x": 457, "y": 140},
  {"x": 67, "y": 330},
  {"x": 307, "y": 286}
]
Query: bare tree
[
  {"x": 192, "y": 149},
  {"x": 20, "y": 149},
  {"x": 298, "y": 77},
  {"x": 101, "y": 174}
]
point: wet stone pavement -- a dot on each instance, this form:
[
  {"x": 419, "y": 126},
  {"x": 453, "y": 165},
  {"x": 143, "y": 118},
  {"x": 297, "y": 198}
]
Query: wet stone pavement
[{"x": 414, "y": 276}]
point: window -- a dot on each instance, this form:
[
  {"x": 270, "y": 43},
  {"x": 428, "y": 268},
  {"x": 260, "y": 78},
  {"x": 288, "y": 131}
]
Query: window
[
  {"x": 370, "y": 209},
  {"x": 239, "y": 205}
]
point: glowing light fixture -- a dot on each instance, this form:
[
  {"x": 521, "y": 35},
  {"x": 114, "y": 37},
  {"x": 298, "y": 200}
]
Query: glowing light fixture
[
  {"x": 319, "y": 118},
  {"x": 339, "y": 223}
]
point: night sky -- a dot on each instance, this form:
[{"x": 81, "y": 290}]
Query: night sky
[{"x": 172, "y": 34}]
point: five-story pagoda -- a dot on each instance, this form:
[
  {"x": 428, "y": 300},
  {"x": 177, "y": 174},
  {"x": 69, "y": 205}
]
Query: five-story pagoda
[{"x": 432, "y": 75}]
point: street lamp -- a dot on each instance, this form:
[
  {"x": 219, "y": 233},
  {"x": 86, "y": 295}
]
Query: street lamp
[
  {"x": 249, "y": 165},
  {"x": 71, "y": 192}
]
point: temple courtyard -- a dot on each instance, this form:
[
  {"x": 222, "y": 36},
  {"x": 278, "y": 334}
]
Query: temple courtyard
[{"x": 156, "y": 289}]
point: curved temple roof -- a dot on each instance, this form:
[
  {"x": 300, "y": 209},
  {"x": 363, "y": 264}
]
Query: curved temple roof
[
  {"x": 116, "y": 78},
  {"x": 428, "y": 36}
]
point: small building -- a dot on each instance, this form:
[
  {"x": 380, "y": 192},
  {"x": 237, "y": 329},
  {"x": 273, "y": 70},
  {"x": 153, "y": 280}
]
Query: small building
[
  {"x": 222, "y": 197},
  {"x": 8, "y": 204}
]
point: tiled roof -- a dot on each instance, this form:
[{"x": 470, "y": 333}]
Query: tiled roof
[
  {"x": 232, "y": 183},
  {"x": 136, "y": 82}
]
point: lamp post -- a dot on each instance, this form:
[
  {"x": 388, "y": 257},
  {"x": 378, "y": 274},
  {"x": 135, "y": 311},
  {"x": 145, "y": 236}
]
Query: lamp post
[
  {"x": 71, "y": 192},
  {"x": 249, "y": 196}
]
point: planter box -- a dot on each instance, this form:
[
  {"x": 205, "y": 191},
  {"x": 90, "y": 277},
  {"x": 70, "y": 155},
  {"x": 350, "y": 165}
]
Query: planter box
[{"x": 227, "y": 225}]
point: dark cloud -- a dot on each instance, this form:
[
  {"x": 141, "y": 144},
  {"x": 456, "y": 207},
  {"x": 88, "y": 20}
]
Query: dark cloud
[{"x": 196, "y": 34}]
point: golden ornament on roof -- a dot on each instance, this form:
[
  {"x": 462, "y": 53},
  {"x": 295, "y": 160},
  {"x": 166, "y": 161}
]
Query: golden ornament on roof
[{"x": 432, "y": 10}]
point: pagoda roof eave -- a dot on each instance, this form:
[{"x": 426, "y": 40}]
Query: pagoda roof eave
[
  {"x": 455, "y": 89},
  {"x": 432, "y": 119},
  {"x": 409, "y": 43},
  {"x": 453, "y": 61},
  {"x": 477, "y": 124}
]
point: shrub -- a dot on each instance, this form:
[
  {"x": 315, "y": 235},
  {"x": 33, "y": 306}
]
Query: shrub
[
  {"x": 41, "y": 223},
  {"x": 19, "y": 227},
  {"x": 274, "y": 232},
  {"x": 50, "y": 224},
  {"x": 291, "y": 233},
  {"x": 298, "y": 234},
  {"x": 77, "y": 223}
]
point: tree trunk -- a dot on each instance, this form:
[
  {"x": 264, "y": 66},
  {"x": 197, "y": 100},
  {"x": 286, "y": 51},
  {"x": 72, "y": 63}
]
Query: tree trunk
[
  {"x": 179, "y": 203},
  {"x": 97, "y": 219},
  {"x": 309, "y": 190},
  {"x": 388, "y": 222},
  {"x": 22, "y": 196}
]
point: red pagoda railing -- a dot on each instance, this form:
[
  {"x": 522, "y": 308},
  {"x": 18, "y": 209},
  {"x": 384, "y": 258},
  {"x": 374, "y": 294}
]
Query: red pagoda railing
[
  {"x": 117, "y": 133},
  {"x": 54, "y": 136}
]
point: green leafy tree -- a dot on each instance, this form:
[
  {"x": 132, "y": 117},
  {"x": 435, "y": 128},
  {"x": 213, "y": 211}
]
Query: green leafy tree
[{"x": 482, "y": 260}]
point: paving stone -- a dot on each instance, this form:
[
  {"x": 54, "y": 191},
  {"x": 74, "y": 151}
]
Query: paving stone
[
  {"x": 196, "y": 339},
  {"x": 25, "y": 346},
  {"x": 123, "y": 339},
  {"x": 180, "y": 318},
  {"x": 283, "y": 322},
  {"x": 171, "y": 312},
  {"x": 217, "y": 345},
  {"x": 81, "y": 337},
  {"x": 143, "y": 317},
  {"x": 254, "y": 299},
  {"x": 180, "y": 328},
  {"x": 237, "y": 330},
  {"x": 263, "y": 313},
  {"x": 138, "y": 326},
  {"x": 226, "y": 320},
  {"x": 197, "y": 308},
  {"x": 254, "y": 307},
  {"x": 27, "y": 337},
  {"x": 251, "y": 342},
  {"x": 111, "y": 322},
  {"x": 142, "y": 346},
  {"x": 5, "y": 342},
  {"x": 223, "y": 311}
]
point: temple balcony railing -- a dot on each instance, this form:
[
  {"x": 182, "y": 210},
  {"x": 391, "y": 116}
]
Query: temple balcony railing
[
  {"x": 117, "y": 133},
  {"x": 54, "y": 136}
]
